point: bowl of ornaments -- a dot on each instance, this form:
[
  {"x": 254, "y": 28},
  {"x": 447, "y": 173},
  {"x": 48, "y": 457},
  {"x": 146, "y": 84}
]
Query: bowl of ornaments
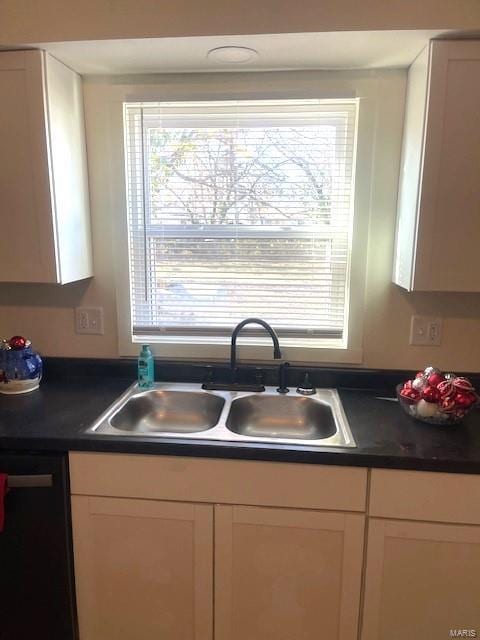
[{"x": 436, "y": 397}]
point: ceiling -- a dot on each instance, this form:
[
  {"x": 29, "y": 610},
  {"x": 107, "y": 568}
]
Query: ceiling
[{"x": 333, "y": 50}]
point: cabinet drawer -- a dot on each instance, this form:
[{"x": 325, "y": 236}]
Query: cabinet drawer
[
  {"x": 223, "y": 481},
  {"x": 420, "y": 495}
]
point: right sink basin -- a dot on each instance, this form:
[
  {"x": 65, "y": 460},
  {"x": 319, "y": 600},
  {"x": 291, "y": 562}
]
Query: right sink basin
[{"x": 266, "y": 416}]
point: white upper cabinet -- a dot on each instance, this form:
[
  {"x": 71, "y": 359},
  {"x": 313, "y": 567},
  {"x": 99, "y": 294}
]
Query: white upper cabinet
[
  {"x": 438, "y": 224},
  {"x": 44, "y": 202}
]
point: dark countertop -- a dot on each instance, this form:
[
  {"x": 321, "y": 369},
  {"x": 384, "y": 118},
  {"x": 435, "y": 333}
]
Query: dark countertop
[{"x": 55, "y": 417}]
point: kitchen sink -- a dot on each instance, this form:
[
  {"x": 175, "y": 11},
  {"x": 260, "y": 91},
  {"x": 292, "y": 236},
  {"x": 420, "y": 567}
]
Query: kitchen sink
[
  {"x": 161, "y": 410},
  {"x": 184, "y": 411},
  {"x": 281, "y": 417}
]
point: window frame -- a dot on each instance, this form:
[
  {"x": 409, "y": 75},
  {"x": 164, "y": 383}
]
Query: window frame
[
  {"x": 255, "y": 348},
  {"x": 340, "y": 113}
]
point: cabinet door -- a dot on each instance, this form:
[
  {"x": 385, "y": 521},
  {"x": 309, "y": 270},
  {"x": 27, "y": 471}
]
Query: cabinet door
[
  {"x": 24, "y": 172},
  {"x": 43, "y": 171},
  {"x": 438, "y": 226},
  {"x": 283, "y": 574},
  {"x": 449, "y": 224},
  {"x": 69, "y": 180},
  {"x": 143, "y": 569},
  {"x": 422, "y": 580}
]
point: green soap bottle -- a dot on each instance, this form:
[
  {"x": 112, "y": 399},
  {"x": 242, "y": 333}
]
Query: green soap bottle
[{"x": 145, "y": 368}]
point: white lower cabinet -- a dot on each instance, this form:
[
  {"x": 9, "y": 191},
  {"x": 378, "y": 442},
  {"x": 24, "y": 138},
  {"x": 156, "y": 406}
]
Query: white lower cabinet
[
  {"x": 200, "y": 549},
  {"x": 284, "y": 574},
  {"x": 422, "y": 581},
  {"x": 143, "y": 569}
]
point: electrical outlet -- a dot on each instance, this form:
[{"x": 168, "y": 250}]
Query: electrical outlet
[
  {"x": 89, "y": 320},
  {"x": 425, "y": 330}
]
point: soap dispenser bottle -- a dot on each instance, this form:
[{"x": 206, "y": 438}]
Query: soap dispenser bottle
[{"x": 145, "y": 368}]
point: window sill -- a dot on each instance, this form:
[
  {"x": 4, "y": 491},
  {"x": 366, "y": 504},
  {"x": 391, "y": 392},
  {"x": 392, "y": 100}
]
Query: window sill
[{"x": 209, "y": 348}]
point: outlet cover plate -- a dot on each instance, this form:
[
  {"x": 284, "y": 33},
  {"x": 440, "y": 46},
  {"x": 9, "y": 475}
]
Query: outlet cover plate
[
  {"x": 89, "y": 320},
  {"x": 426, "y": 331}
]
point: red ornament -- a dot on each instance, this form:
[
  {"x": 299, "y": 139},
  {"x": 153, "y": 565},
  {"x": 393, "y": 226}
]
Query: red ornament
[
  {"x": 435, "y": 379},
  {"x": 17, "y": 343},
  {"x": 410, "y": 394},
  {"x": 446, "y": 388},
  {"x": 463, "y": 384},
  {"x": 431, "y": 394},
  {"x": 464, "y": 400},
  {"x": 448, "y": 405}
]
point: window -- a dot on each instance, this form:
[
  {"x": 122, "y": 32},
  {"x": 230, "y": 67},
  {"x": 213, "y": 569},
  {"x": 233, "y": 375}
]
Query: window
[{"x": 237, "y": 209}]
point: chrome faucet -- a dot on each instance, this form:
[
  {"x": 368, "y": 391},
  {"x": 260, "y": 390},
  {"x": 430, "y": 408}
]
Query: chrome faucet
[{"x": 277, "y": 354}]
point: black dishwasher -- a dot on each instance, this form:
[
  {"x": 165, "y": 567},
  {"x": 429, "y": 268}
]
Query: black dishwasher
[{"x": 36, "y": 568}]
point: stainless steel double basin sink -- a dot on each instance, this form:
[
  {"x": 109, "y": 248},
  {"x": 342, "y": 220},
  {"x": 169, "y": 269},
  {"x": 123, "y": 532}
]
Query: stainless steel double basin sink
[{"x": 172, "y": 410}]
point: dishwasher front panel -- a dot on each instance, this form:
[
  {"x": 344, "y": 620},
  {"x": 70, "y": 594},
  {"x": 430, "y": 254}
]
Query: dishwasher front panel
[{"x": 36, "y": 568}]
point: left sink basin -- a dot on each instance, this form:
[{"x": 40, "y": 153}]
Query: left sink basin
[{"x": 159, "y": 411}]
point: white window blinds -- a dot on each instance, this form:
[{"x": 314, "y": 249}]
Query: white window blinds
[{"x": 239, "y": 209}]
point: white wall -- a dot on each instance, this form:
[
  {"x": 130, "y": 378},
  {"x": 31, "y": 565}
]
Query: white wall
[{"x": 45, "y": 313}]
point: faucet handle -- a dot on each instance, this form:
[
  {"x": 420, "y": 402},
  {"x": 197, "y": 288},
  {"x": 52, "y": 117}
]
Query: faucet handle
[
  {"x": 208, "y": 379},
  {"x": 282, "y": 378},
  {"x": 306, "y": 388},
  {"x": 259, "y": 375}
]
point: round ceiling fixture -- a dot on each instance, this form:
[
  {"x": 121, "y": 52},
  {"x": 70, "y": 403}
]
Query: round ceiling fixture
[{"x": 232, "y": 55}]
